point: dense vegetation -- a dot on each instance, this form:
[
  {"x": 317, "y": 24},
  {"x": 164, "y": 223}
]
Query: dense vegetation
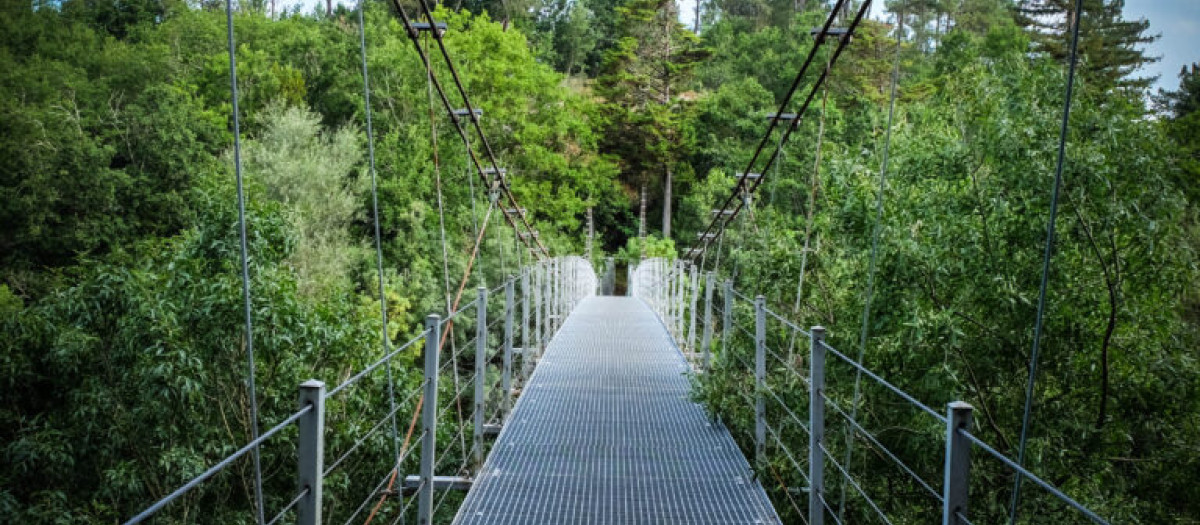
[{"x": 120, "y": 299}]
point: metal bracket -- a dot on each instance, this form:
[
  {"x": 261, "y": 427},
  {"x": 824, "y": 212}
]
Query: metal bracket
[
  {"x": 440, "y": 482},
  {"x": 474, "y": 113},
  {"x": 836, "y": 32},
  {"x": 495, "y": 182},
  {"x": 417, "y": 27}
]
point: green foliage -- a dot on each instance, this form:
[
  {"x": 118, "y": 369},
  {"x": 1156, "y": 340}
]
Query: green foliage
[
  {"x": 965, "y": 208},
  {"x": 650, "y": 247},
  {"x": 120, "y": 291},
  {"x": 309, "y": 173},
  {"x": 646, "y": 120},
  {"x": 120, "y": 296},
  {"x": 1183, "y": 126}
]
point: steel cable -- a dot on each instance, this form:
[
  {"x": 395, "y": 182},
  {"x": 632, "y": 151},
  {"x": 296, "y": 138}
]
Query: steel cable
[
  {"x": 1046, "y": 257},
  {"x": 245, "y": 262},
  {"x": 872, "y": 266}
]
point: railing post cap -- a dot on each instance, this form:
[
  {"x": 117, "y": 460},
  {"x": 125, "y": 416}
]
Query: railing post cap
[
  {"x": 818, "y": 330},
  {"x": 313, "y": 383},
  {"x": 432, "y": 319},
  {"x": 959, "y": 405}
]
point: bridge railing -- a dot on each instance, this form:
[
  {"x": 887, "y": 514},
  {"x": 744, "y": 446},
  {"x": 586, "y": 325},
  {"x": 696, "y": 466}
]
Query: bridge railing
[
  {"x": 732, "y": 338},
  {"x": 495, "y": 341}
]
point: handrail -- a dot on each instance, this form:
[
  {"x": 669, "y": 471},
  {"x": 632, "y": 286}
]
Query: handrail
[
  {"x": 356, "y": 377},
  {"x": 574, "y": 279},
  {"x": 1032, "y": 477},
  {"x": 670, "y": 298},
  {"x": 213, "y": 470}
]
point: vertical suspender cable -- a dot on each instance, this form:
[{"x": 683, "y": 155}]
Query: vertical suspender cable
[
  {"x": 810, "y": 210},
  {"x": 437, "y": 172},
  {"x": 470, "y": 186},
  {"x": 383, "y": 313},
  {"x": 872, "y": 266},
  {"x": 437, "y": 177},
  {"x": 720, "y": 246},
  {"x": 1046, "y": 257},
  {"x": 241, "y": 201}
]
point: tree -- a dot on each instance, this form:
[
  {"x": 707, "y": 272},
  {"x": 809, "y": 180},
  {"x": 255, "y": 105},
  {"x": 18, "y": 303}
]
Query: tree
[
  {"x": 1110, "y": 47},
  {"x": 640, "y": 82},
  {"x": 310, "y": 173},
  {"x": 1185, "y": 100},
  {"x": 575, "y": 38},
  {"x": 1183, "y": 126}
]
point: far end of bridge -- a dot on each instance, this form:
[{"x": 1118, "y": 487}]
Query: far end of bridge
[{"x": 606, "y": 433}]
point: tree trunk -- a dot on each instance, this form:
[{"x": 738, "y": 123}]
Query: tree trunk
[
  {"x": 666, "y": 224},
  {"x": 328, "y": 7},
  {"x": 642, "y": 215}
]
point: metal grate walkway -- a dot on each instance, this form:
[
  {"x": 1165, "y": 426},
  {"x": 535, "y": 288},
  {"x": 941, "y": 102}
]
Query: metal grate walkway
[{"x": 605, "y": 434}]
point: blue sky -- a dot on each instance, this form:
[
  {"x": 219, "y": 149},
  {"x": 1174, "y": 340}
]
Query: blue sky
[{"x": 1178, "y": 21}]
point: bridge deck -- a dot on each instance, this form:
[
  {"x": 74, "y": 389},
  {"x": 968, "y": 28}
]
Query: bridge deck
[{"x": 605, "y": 433}]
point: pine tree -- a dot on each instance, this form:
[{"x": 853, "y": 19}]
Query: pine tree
[
  {"x": 1183, "y": 126},
  {"x": 640, "y": 82},
  {"x": 1110, "y": 47},
  {"x": 1185, "y": 100}
]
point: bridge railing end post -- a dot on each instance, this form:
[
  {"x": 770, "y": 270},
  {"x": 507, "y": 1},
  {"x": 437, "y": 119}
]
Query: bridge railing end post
[
  {"x": 506, "y": 373},
  {"x": 956, "y": 484},
  {"x": 816, "y": 426},
  {"x": 311, "y": 450},
  {"x": 433, "y": 326},
  {"x": 706, "y": 338},
  {"x": 480, "y": 398},
  {"x": 760, "y": 380}
]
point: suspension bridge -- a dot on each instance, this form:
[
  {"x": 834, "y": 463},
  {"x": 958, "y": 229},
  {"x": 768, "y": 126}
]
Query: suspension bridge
[{"x": 584, "y": 407}]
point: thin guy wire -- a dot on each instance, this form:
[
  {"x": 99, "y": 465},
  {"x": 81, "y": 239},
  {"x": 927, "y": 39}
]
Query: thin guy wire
[
  {"x": 870, "y": 437},
  {"x": 770, "y": 391},
  {"x": 855, "y": 484},
  {"x": 371, "y": 495},
  {"x": 379, "y": 424},
  {"x": 872, "y": 265},
  {"x": 788, "y": 453},
  {"x": 437, "y": 171},
  {"x": 1032, "y": 477},
  {"x": 383, "y": 330},
  {"x": 895, "y": 389},
  {"x": 825, "y": 504},
  {"x": 810, "y": 210},
  {"x": 783, "y": 106},
  {"x": 356, "y": 377},
  {"x": 221, "y": 465},
  {"x": 287, "y": 508},
  {"x": 1046, "y": 257},
  {"x": 412, "y": 31},
  {"x": 245, "y": 256}
]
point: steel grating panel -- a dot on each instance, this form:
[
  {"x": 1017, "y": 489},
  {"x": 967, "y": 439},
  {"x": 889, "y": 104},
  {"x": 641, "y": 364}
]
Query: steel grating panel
[{"x": 605, "y": 434}]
